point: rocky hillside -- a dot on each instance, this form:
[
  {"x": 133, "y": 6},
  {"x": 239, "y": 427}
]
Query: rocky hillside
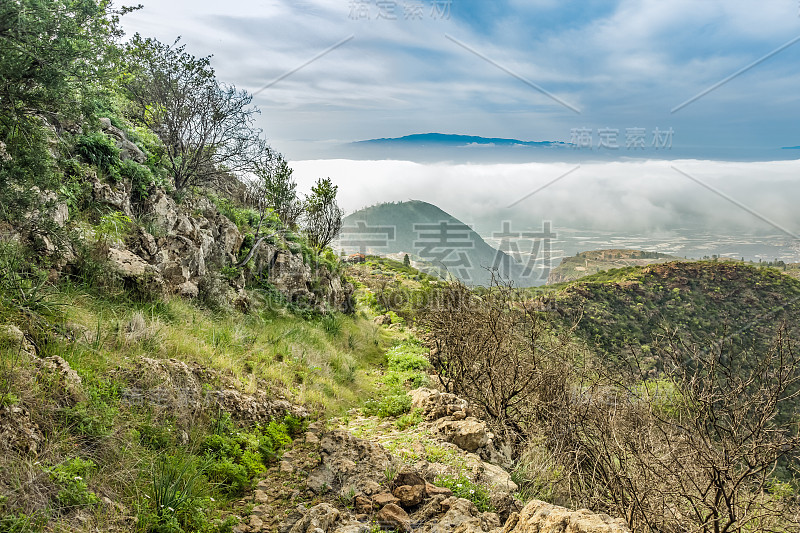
[
  {"x": 367, "y": 474},
  {"x": 160, "y": 248},
  {"x": 588, "y": 263}
]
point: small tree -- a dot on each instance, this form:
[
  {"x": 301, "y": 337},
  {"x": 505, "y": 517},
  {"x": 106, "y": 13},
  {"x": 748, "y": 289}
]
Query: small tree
[
  {"x": 206, "y": 127},
  {"x": 273, "y": 187},
  {"x": 322, "y": 219},
  {"x": 406, "y": 260}
]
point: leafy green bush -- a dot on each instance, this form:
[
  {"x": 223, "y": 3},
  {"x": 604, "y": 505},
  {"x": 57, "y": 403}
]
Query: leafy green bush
[
  {"x": 392, "y": 405},
  {"x": 71, "y": 476},
  {"x": 407, "y": 356},
  {"x": 236, "y": 457},
  {"x": 99, "y": 150},
  {"x": 141, "y": 178},
  {"x": 409, "y": 420},
  {"x": 153, "y": 436}
]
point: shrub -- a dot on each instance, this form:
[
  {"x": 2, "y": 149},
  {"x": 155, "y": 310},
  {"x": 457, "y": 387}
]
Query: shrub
[
  {"x": 236, "y": 457},
  {"x": 407, "y": 356},
  {"x": 140, "y": 176},
  {"x": 409, "y": 420},
  {"x": 392, "y": 405},
  {"x": 176, "y": 481},
  {"x": 99, "y": 150},
  {"x": 71, "y": 476},
  {"x": 332, "y": 324}
]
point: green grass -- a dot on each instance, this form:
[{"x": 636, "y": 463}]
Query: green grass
[{"x": 138, "y": 453}]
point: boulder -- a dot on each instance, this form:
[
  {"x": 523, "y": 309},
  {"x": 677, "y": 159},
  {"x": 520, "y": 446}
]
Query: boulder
[
  {"x": 469, "y": 434},
  {"x": 385, "y": 498},
  {"x": 68, "y": 380},
  {"x": 409, "y": 495},
  {"x": 127, "y": 149},
  {"x": 394, "y": 517},
  {"x": 541, "y": 517},
  {"x": 17, "y": 431},
  {"x": 496, "y": 477},
  {"x": 462, "y": 516},
  {"x": 436, "y": 404},
  {"x": 13, "y": 338},
  {"x": 433, "y": 490},
  {"x": 320, "y": 517},
  {"x": 351, "y": 462},
  {"x": 382, "y": 320}
]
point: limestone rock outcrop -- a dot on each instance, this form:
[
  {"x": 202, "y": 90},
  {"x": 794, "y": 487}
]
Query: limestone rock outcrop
[{"x": 542, "y": 517}]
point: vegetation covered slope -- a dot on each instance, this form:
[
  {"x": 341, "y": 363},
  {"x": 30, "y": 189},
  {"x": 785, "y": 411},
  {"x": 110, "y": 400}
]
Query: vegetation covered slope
[
  {"x": 588, "y": 263},
  {"x": 706, "y": 302},
  {"x": 458, "y": 249}
]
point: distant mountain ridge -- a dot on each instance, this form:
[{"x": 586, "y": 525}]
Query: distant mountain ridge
[
  {"x": 448, "y": 139},
  {"x": 426, "y": 233}
]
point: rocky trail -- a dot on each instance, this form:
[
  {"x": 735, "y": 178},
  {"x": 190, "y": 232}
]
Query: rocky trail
[{"x": 364, "y": 474}]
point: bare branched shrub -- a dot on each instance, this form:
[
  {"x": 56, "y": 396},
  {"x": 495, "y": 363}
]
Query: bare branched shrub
[
  {"x": 711, "y": 444},
  {"x": 497, "y": 351}
]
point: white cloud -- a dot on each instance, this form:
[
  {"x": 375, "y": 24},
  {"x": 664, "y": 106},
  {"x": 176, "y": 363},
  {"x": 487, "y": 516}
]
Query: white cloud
[{"x": 615, "y": 196}]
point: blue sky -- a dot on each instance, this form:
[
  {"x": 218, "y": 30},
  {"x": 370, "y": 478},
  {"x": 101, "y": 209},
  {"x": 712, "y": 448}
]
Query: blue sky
[{"x": 623, "y": 64}]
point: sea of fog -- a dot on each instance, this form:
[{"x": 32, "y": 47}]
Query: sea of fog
[{"x": 691, "y": 208}]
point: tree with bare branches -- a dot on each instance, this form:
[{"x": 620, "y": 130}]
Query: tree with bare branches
[{"x": 206, "y": 127}]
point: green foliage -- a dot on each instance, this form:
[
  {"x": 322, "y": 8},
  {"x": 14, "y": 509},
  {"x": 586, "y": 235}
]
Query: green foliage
[
  {"x": 322, "y": 219},
  {"x": 23, "y": 285},
  {"x": 94, "y": 418},
  {"x": 71, "y": 476},
  {"x": 702, "y": 301},
  {"x": 55, "y": 54},
  {"x": 245, "y": 218},
  {"x": 463, "y": 487},
  {"x": 20, "y": 522},
  {"x": 331, "y": 324},
  {"x": 237, "y": 457},
  {"x": 408, "y": 356},
  {"x": 391, "y": 405},
  {"x": 176, "y": 482},
  {"x": 113, "y": 227},
  {"x": 409, "y": 420},
  {"x": 99, "y": 150},
  {"x": 140, "y": 177}
]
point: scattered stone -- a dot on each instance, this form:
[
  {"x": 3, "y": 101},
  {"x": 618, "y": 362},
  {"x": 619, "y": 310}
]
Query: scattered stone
[
  {"x": 286, "y": 467},
  {"x": 408, "y": 476},
  {"x": 363, "y": 505},
  {"x": 256, "y": 523},
  {"x": 435, "y": 404},
  {"x": 259, "y": 496}
]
